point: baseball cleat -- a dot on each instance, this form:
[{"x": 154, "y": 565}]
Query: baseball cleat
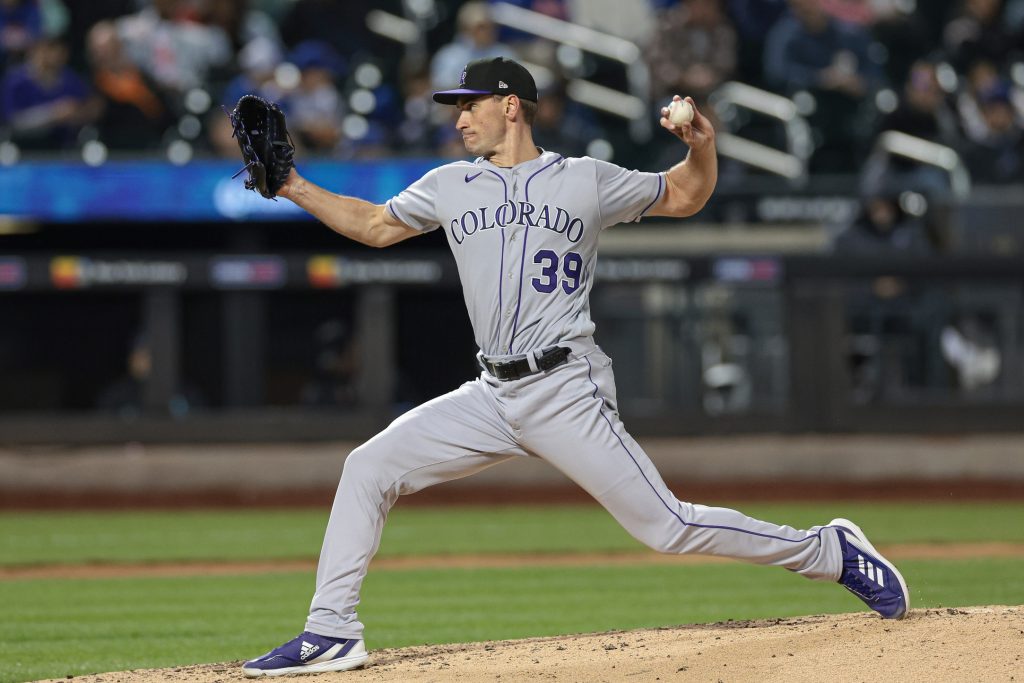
[
  {"x": 868, "y": 575},
  {"x": 308, "y": 653}
]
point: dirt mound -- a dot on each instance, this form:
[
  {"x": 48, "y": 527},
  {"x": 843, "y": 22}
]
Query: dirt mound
[{"x": 973, "y": 643}]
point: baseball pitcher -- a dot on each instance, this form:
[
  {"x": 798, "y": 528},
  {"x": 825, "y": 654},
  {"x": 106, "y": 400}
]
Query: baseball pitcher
[{"x": 523, "y": 225}]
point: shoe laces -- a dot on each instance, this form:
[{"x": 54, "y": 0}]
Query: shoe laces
[{"x": 859, "y": 585}]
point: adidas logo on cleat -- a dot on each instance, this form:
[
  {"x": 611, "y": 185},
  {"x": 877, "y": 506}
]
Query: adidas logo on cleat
[
  {"x": 307, "y": 650},
  {"x": 870, "y": 570}
]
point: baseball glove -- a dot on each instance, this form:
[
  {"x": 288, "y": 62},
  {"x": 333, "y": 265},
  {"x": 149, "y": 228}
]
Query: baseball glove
[{"x": 267, "y": 149}]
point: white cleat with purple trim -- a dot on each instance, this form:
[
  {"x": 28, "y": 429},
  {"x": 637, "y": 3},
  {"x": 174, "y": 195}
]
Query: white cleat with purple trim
[{"x": 868, "y": 575}]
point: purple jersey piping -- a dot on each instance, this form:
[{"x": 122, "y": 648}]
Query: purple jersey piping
[
  {"x": 661, "y": 185},
  {"x": 501, "y": 268},
  {"x": 655, "y": 491},
  {"x": 522, "y": 262}
]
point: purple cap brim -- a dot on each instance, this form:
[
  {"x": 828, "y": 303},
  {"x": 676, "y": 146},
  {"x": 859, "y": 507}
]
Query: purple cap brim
[{"x": 452, "y": 96}]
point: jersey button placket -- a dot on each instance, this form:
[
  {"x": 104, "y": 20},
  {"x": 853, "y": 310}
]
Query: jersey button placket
[
  {"x": 513, "y": 261},
  {"x": 512, "y": 413}
]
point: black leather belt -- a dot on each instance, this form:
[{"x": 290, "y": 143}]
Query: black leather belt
[{"x": 519, "y": 367}]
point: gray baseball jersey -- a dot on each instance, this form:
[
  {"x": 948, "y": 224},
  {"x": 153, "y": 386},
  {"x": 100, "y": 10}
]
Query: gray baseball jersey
[{"x": 525, "y": 241}]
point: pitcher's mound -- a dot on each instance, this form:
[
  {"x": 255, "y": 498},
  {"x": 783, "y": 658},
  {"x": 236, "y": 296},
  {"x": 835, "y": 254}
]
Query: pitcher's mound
[{"x": 957, "y": 644}]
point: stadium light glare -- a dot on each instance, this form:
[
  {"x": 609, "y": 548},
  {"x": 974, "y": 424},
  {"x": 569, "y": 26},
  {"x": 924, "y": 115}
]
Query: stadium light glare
[
  {"x": 179, "y": 152},
  {"x": 9, "y": 153},
  {"x": 362, "y": 101},
  {"x": 946, "y": 76},
  {"x": 570, "y": 57},
  {"x": 189, "y": 127},
  {"x": 368, "y": 75},
  {"x": 94, "y": 153},
  {"x": 886, "y": 100},
  {"x": 198, "y": 101},
  {"x": 1017, "y": 73},
  {"x": 355, "y": 127},
  {"x": 600, "y": 149},
  {"x": 287, "y": 76}
]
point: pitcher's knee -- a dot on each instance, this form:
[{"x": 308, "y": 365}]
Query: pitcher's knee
[
  {"x": 657, "y": 537},
  {"x": 666, "y": 533},
  {"x": 662, "y": 543},
  {"x": 363, "y": 469}
]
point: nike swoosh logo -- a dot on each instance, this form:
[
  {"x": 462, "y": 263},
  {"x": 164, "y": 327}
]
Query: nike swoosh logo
[{"x": 471, "y": 178}]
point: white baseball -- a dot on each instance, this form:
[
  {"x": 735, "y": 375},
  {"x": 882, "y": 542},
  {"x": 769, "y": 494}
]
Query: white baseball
[{"x": 680, "y": 112}]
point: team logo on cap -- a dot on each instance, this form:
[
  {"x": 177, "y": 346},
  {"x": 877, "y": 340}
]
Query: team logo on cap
[{"x": 462, "y": 78}]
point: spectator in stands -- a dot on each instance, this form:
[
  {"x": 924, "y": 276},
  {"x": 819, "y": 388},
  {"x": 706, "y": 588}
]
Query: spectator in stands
[
  {"x": 126, "y": 396},
  {"x": 342, "y": 25},
  {"x": 807, "y": 50},
  {"x": 258, "y": 61},
  {"x": 997, "y": 157},
  {"x": 884, "y": 226},
  {"x": 752, "y": 20},
  {"x": 417, "y": 132},
  {"x": 176, "y": 53},
  {"x": 562, "y": 125},
  {"x": 905, "y": 35},
  {"x": 982, "y": 78},
  {"x": 476, "y": 38},
  {"x": 693, "y": 51},
  {"x": 134, "y": 115},
  {"x": 977, "y": 33},
  {"x": 83, "y": 16},
  {"x": 923, "y": 111},
  {"x": 333, "y": 382},
  {"x": 315, "y": 108},
  {"x": 851, "y": 11},
  {"x": 43, "y": 101},
  {"x": 21, "y": 24},
  {"x": 241, "y": 22},
  {"x": 1013, "y": 18}
]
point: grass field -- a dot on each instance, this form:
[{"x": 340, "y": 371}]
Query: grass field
[{"x": 53, "y": 628}]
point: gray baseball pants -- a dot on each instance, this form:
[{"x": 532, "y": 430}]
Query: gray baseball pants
[{"x": 568, "y": 417}]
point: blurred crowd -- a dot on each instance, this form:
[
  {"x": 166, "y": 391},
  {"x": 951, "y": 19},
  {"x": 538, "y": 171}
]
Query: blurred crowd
[{"x": 139, "y": 75}]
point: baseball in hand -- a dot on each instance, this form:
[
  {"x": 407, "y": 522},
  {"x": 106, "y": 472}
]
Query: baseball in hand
[{"x": 680, "y": 112}]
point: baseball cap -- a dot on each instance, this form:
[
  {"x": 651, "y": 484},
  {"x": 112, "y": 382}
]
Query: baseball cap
[
  {"x": 316, "y": 54},
  {"x": 492, "y": 76}
]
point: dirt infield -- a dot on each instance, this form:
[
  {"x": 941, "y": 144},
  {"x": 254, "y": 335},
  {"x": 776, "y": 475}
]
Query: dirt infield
[{"x": 964, "y": 644}]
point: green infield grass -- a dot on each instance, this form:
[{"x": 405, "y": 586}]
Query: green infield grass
[
  {"x": 28, "y": 538},
  {"x": 55, "y": 628}
]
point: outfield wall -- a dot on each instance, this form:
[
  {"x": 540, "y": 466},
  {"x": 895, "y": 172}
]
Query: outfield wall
[{"x": 252, "y": 473}]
